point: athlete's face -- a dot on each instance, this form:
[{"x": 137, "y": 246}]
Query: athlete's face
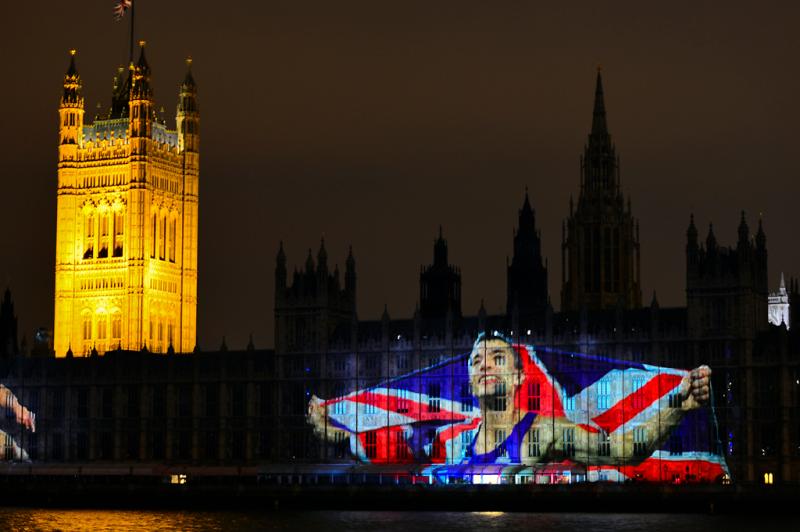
[{"x": 492, "y": 368}]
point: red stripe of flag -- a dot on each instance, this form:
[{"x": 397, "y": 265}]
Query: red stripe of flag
[{"x": 630, "y": 406}]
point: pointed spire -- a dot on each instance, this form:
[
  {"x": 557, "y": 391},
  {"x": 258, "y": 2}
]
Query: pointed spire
[
  {"x": 761, "y": 238},
  {"x": 322, "y": 255},
  {"x": 72, "y": 71},
  {"x": 142, "y": 63},
  {"x": 309, "y": 262},
  {"x": 654, "y": 301},
  {"x": 250, "y": 345},
  {"x": 385, "y": 315},
  {"x": 711, "y": 240},
  {"x": 782, "y": 287},
  {"x": 744, "y": 231},
  {"x": 280, "y": 258},
  {"x": 599, "y": 125},
  {"x": 70, "y": 354},
  {"x": 440, "y": 250},
  {"x": 526, "y": 205},
  {"x": 188, "y": 80},
  {"x": 72, "y": 84},
  {"x": 691, "y": 232},
  {"x": 224, "y": 346},
  {"x": 141, "y": 77},
  {"x": 351, "y": 262}
]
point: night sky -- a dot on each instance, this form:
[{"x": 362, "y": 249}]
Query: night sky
[{"x": 373, "y": 122}]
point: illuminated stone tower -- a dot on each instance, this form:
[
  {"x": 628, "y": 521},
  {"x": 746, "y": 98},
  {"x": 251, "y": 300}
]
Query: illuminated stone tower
[
  {"x": 126, "y": 237},
  {"x": 600, "y": 240}
]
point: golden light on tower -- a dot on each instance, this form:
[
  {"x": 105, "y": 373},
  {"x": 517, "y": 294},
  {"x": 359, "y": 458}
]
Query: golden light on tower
[{"x": 126, "y": 237}]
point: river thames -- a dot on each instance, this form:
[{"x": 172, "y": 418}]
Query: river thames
[{"x": 24, "y": 519}]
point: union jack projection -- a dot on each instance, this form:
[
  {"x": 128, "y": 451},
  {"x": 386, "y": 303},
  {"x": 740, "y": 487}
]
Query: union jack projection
[
  {"x": 544, "y": 414},
  {"x": 121, "y": 7}
]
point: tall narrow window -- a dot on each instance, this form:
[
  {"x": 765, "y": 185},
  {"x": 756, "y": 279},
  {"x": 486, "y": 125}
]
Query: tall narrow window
[
  {"x": 88, "y": 240},
  {"x": 153, "y": 235},
  {"x": 569, "y": 442},
  {"x": 371, "y": 444},
  {"x": 500, "y": 441},
  {"x": 402, "y": 401},
  {"x": 569, "y": 403},
  {"x": 466, "y": 443},
  {"x": 162, "y": 240},
  {"x": 401, "y": 445},
  {"x": 534, "y": 444},
  {"x": 640, "y": 441},
  {"x": 87, "y": 327},
  {"x": 173, "y": 229},
  {"x": 116, "y": 326},
  {"x": 340, "y": 406},
  {"x": 603, "y": 443},
  {"x": 603, "y": 394},
  {"x": 119, "y": 233},
  {"x": 500, "y": 399},
  {"x": 101, "y": 327},
  {"x": 102, "y": 251},
  {"x": 534, "y": 396},
  {"x": 434, "y": 401},
  {"x": 466, "y": 398}
]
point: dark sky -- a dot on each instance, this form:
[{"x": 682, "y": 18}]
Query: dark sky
[{"x": 373, "y": 122}]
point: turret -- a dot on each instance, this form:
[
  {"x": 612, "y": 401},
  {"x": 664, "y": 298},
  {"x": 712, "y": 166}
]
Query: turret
[
  {"x": 761, "y": 238},
  {"x": 70, "y": 112},
  {"x": 744, "y": 233},
  {"x": 188, "y": 117},
  {"x": 141, "y": 102},
  {"x": 691, "y": 235}
]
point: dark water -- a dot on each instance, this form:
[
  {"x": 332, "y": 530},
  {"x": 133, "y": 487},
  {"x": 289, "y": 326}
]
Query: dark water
[{"x": 13, "y": 519}]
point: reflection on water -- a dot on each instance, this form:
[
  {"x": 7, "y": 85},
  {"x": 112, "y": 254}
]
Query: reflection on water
[{"x": 100, "y": 520}]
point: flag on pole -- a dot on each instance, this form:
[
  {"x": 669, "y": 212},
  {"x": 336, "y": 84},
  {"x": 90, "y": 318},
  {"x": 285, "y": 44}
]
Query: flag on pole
[{"x": 121, "y": 7}]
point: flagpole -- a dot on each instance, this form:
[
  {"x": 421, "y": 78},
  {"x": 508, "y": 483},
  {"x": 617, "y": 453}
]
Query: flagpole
[{"x": 133, "y": 11}]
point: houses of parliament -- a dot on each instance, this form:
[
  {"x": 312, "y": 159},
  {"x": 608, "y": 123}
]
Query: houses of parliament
[
  {"x": 126, "y": 237},
  {"x": 125, "y": 296}
]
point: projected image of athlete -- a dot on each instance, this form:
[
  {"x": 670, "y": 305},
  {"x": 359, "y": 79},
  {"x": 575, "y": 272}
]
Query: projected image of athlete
[
  {"x": 17, "y": 414},
  {"x": 523, "y": 408},
  {"x": 518, "y": 402}
]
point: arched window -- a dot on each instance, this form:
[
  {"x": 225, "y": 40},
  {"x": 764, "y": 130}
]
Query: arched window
[
  {"x": 173, "y": 229},
  {"x": 116, "y": 326},
  {"x": 119, "y": 233},
  {"x": 162, "y": 242},
  {"x": 153, "y": 235},
  {"x": 102, "y": 326},
  {"x": 88, "y": 237},
  {"x": 102, "y": 251},
  {"x": 87, "y": 327}
]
